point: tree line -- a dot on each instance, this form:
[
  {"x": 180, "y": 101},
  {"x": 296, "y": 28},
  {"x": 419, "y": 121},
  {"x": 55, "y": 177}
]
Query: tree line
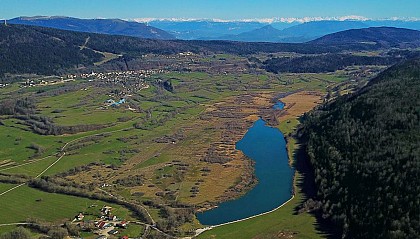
[
  {"x": 325, "y": 63},
  {"x": 365, "y": 151}
]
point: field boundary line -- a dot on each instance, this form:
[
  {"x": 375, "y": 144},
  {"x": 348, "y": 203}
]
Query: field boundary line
[
  {"x": 20, "y": 185},
  {"x": 20, "y": 165},
  {"x": 15, "y": 224}
]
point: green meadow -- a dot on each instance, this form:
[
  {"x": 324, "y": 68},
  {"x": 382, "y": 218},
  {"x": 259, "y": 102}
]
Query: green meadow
[{"x": 24, "y": 203}]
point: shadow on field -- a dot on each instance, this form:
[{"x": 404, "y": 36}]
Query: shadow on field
[{"x": 308, "y": 188}]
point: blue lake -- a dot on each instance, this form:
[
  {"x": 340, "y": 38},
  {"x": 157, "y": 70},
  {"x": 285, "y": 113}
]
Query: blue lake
[
  {"x": 267, "y": 147},
  {"x": 278, "y": 106}
]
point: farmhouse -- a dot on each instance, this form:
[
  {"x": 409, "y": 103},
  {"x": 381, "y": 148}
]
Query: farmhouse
[
  {"x": 106, "y": 210},
  {"x": 111, "y": 102},
  {"x": 101, "y": 225},
  {"x": 80, "y": 217},
  {"x": 123, "y": 224}
]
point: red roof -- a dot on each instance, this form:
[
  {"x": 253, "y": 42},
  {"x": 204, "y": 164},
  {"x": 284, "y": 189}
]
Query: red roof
[
  {"x": 124, "y": 237},
  {"x": 101, "y": 224}
]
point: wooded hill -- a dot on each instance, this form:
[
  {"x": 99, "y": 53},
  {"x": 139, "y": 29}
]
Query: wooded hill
[
  {"x": 27, "y": 50},
  {"x": 31, "y": 49},
  {"x": 103, "y": 26},
  {"x": 365, "y": 150},
  {"x": 383, "y": 36}
]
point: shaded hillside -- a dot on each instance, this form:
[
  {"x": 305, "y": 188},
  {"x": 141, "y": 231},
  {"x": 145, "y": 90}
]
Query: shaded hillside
[
  {"x": 103, "y": 26},
  {"x": 326, "y": 63},
  {"x": 365, "y": 150},
  {"x": 415, "y": 25},
  {"x": 25, "y": 50},
  {"x": 383, "y": 36}
]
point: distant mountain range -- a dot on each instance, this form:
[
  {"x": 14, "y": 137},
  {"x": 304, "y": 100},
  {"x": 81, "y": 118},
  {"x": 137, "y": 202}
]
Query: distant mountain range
[
  {"x": 246, "y": 31},
  {"x": 299, "y": 33},
  {"x": 103, "y": 26},
  {"x": 202, "y": 29},
  {"x": 249, "y": 31},
  {"x": 312, "y": 30},
  {"x": 264, "y": 34}
]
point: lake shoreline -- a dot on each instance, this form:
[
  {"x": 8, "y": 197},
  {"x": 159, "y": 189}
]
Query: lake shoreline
[{"x": 266, "y": 146}]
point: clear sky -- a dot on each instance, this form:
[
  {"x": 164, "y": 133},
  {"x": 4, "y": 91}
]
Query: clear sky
[{"x": 221, "y": 9}]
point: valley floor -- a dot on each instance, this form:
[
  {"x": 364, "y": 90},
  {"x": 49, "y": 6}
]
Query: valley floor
[{"x": 167, "y": 153}]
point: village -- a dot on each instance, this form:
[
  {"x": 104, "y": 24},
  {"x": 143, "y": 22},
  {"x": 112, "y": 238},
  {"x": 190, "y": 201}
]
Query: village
[
  {"x": 136, "y": 78},
  {"x": 104, "y": 224},
  {"x": 117, "y": 75}
]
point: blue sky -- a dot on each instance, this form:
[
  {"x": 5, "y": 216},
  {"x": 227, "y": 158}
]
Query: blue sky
[{"x": 221, "y": 9}]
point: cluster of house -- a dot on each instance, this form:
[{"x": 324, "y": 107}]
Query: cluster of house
[
  {"x": 106, "y": 224},
  {"x": 105, "y": 237},
  {"x": 3, "y": 85},
  {"x": 188, "y": 53},
  {"x": 118, "y": 74},
  {"x": 41, "y": 82},
  {"x": 114, "y": 103}
]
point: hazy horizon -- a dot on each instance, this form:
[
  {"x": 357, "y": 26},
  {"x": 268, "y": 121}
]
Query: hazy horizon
[{"x": 264, "y": 10}]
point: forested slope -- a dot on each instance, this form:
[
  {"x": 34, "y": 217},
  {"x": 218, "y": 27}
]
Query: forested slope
[
  {"x": 103, "y": 26},
  {"x": 32, "y": 49},
  {"x": 365, "y": 150},
  {"x": 384, "y": 36},
  {"x": 26, "y": 50}
]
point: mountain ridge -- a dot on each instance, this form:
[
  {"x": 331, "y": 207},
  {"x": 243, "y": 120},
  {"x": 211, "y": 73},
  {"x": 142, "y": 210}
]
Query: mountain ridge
[
  {"x": 386, "y": 36},
  {"x": 295, "y": 34},
  {"x": 251, "y": 30},
  {"x": 103, "y": 26}
]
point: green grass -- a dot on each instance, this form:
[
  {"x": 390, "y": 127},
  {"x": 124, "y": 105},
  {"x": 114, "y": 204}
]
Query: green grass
[
  {"x": 81, "y": 107},
  {"x": 4, "y": 229},
  {"x": 32, "y": 169},
  {"x": 8, "y": 89},
  {"x": 107, "y": 57},
  {"x": 25, "y": 202},
  {"x": 15, "y": 140},
  {"x": 288, "y": 126},
  {"x": 6, "y": 186},
  {"x": 155, "y": 160},
  {"x": 133, "y": 231},
  {"x": 145, "y": 105}
]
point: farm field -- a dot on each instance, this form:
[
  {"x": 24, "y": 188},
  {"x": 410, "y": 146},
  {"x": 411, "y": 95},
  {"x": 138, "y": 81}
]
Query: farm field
[{"x": 26, "y": 203}]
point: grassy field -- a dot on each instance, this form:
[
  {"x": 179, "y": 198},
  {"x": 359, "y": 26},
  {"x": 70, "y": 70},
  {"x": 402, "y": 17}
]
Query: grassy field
[
  {"x": 25, "y": 202},
  {"x": 5, "y": 186},
  {"x": 16, "y": 142}
]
